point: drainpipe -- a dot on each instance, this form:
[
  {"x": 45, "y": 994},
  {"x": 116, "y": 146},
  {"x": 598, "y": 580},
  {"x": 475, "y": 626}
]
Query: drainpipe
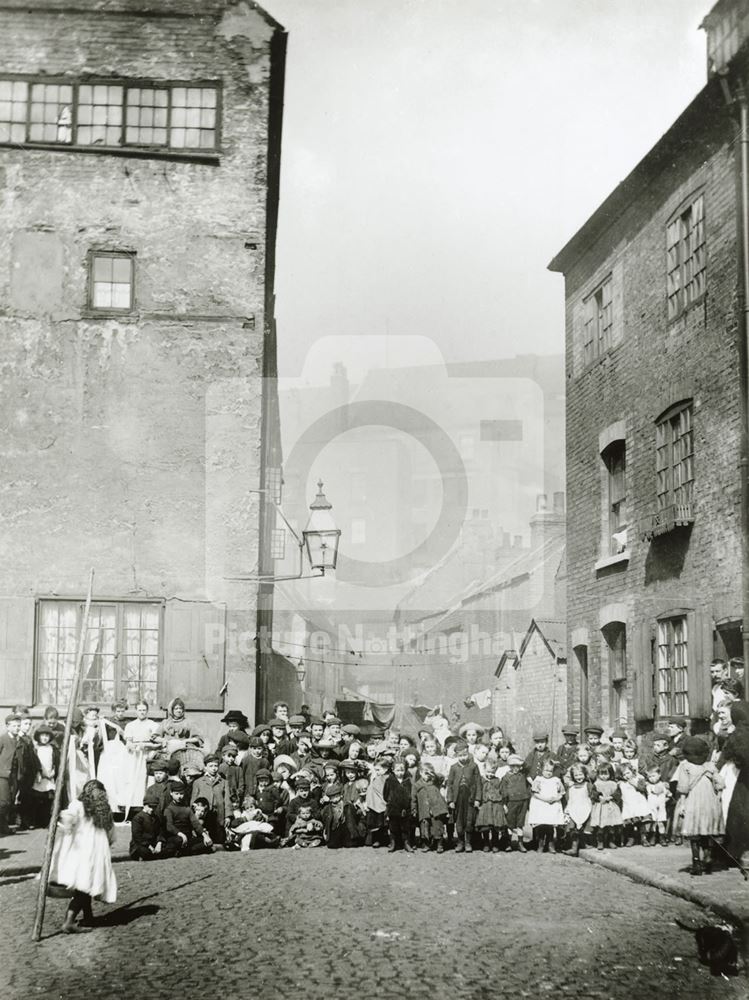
[{"x": 743, "y": 109}]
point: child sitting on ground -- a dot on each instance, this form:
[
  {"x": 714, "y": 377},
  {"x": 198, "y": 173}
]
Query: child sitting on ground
[
  {"x": 184, "y": 831},
  {"x": 305, "y": 831}
]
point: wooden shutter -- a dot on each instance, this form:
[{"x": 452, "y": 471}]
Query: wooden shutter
[
  {"x": 642, "y": 671},
  {"x": 194, "y": 654},
  {"x": 17, "y": 650},
  {"x": 699, "y": 654}
]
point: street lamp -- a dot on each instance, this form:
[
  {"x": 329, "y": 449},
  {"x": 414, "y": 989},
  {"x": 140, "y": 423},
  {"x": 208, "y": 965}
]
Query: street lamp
[
  {"x": 301, "y": 671},
  {"x": 321, "y": 535},
  {"x": 320, "y": 538}
]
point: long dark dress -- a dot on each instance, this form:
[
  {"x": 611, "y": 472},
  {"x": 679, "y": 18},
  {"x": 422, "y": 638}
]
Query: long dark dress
[{"x": 736, "y": 749}]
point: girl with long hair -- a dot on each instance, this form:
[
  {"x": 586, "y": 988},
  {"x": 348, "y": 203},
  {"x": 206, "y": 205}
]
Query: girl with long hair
[{"x": 82, "y": 859}]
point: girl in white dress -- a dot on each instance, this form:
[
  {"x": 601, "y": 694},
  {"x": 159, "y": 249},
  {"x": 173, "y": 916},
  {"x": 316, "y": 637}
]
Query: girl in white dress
[
  {"x": 579, "y": 806},
  {"x": 545, "y": 813},
  {"x": 81, "y": 860},
  {"x": 635, "y": 807}
]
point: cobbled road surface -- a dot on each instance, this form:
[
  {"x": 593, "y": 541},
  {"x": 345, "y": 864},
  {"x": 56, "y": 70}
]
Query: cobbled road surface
[{"x": 354, "y": 925}]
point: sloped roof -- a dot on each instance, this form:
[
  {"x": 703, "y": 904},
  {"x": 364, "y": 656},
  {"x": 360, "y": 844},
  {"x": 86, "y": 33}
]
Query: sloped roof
[{"x": 554, "y": 634}]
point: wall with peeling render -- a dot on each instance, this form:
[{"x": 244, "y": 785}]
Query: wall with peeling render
[{"x": 130, "y": 444}]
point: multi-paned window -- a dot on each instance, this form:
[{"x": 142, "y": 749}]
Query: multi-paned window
[
  {"x": 110, "y": 114},
  {"x": 111, "y": 281},
  {"x": 615, "y": 460},
  {"x": 674, "y": 449},
  {"x": 673, "y": 658},
  {"x": 599, "y": 322},
  {"x": 685, "y": 255},
  {"x": 120, "y": 654}
]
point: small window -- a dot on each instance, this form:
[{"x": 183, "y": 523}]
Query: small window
[
  {"x": 674, "y": 447},
  {"x": 599, "y": 322},
  {"x": 673, "y": 658},
  {"x": 615, "y": 460},
  {"x": 112, "y": 282},
  {"x": 685, "y": 252}
]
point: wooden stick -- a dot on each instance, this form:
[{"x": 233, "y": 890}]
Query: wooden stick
[{"x": 62, "y": 770}]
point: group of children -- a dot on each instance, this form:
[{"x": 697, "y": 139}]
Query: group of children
[{"x": 301, "y": 783}]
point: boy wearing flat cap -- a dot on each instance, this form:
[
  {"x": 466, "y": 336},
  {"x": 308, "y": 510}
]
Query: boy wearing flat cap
[
  {"x": 539, "y": 755},
  {"x": 255, "y": 760},
  {"x": 184, "y": 831},
  {"x": 147, "y": 840},
  {"x": 212, "y": 787},
  {"x": 567, "y": 751}
]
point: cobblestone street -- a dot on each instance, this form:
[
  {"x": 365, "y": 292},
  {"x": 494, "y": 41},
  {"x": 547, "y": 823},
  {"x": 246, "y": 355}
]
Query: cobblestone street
[{"x": 361, "y": 923}]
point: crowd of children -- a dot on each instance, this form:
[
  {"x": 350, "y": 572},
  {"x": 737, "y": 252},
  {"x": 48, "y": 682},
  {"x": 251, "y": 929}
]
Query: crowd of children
[{"x": 302, "y": 782}]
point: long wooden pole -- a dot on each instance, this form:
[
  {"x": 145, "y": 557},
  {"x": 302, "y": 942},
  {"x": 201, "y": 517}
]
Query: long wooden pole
[{"x": 62, "y": 770}]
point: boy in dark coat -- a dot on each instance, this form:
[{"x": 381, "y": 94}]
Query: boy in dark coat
[
  {"x": 271, "y": 800},
  {"x": 397, "y": 795},
  {"x": 212, "y": 787},
  {"x": 333, "y": 820},
  {"x": 567, "y": 751},
  {"x": 146, "y": 837},
  {"x": 464, "y": 796},
  {"x": 534, "y": 762},
  {"x": 184, "y": 831},
  {"x": 8, "y": 770},
  {"x": 254, "y": 760},
  {"x": 516, "y": 793},
  {"x": 303, "y": 797},
  {"x": 231, "y": 772}
]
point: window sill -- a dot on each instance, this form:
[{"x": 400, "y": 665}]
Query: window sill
[
  {"x": 209, "y": 157},
  {"x": 606, "y": 561},
  {"x": 685, "y": 310}
]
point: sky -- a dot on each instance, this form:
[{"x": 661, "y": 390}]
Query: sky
[{"x": 438, "y": 153}]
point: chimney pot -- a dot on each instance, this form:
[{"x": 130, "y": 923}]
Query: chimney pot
[{"x": 541, "y": 502}]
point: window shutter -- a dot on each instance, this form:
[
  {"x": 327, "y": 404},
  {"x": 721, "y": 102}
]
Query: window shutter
[
  {"x": 699, "y": 652},
  {"x": 642, "y": 668},
  {"x": 194, "y": 654},
  {"x": 17, "y": 650}
]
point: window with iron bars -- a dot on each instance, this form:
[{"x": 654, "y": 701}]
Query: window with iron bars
[
  {"x": 685, "y": 256},
  {"x": 178, "y": 116},
  {"x": 673, "y": 658}
]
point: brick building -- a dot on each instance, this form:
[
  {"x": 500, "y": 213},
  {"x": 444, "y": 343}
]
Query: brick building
[
  {"x": 139, "y": 166},
  {"x": 655, "y": 416}
]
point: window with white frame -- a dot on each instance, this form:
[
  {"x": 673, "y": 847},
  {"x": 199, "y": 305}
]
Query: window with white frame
[
  {"x": 120, "y": 656},
  {"x": 673, "y": 659},
  {"x": 685, "y": 255},
  {"x": 674, "y": 449},
  {"x": 599, "y": 321},
  {"x": 111, "y": 281},
  {"x": 163, "y": 115}
]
